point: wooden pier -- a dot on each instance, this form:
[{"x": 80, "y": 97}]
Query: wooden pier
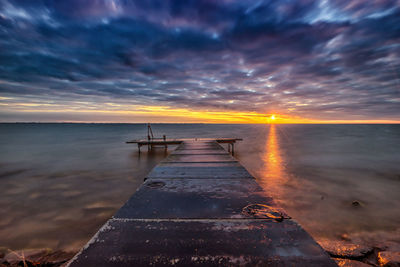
[{"x": 200, "y": 207}]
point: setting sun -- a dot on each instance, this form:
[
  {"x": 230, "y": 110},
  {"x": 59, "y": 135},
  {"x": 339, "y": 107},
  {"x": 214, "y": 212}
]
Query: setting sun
[{"x": 273, "y": 117}]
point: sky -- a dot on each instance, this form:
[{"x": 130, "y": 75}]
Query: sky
[{"x": 225, "y": 61}]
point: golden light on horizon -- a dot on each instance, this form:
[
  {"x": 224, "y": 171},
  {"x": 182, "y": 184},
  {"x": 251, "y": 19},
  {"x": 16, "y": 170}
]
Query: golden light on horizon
[
  {"x": 136, "y": 113},
  {"x": 273, "y": 119}
]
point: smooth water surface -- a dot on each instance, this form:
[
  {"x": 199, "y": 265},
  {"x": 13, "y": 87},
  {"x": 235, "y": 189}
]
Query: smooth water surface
[{"x": 60, "y": 182}]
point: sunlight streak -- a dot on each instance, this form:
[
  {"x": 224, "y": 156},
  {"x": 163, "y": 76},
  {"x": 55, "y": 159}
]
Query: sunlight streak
[
  {"x": 274, "y": 175},
  {"x": 273, "y": 157}
]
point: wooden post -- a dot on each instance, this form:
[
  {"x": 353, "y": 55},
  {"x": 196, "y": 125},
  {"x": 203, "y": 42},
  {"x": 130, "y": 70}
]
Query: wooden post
[
  {"x": 150, "y": 137},
  {"x": 138, "y": 145},
  {"x": 233, "y": 149}
]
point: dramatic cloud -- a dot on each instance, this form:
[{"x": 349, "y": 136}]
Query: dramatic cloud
[{"x": 317, "y": 59}]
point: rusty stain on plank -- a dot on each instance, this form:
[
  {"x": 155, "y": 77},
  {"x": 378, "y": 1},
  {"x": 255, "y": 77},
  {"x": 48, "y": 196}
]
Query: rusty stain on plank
[{"x": 194, "y": 198}]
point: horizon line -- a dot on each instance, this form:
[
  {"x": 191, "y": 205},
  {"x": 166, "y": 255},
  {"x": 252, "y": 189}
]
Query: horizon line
[{"x": 108, "y": 122}]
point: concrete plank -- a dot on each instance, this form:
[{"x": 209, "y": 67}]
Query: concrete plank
[
  {"x": 197, "y": 146},
  {"x": 200, "y": 164},
  {"x": 124, "y": 242},
  {"x": 205, "y": 171},
  {"x": 196, "y": 199},
  {"x": 198, "y": 158},
  {"x": 199, "y": 152}
]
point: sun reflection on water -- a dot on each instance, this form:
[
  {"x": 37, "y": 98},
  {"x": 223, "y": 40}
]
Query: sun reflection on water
[
  {"x": 273, "y": 156},
  {"x": 274, "y": 174}
]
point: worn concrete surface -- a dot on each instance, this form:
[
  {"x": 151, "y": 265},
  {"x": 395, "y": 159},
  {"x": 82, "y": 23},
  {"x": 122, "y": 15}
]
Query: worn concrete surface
[
  {"x": 199, "y": 207},
  {"x": 200, "y": 171},
  {"x": 194, "y": 198},
  {"x": 202, "y": 152},
  {"x": 202, "y": 243},
  {"x": 199, "y": 158}
]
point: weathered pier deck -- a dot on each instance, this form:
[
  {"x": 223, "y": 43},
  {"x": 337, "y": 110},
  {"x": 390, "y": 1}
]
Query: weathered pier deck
[
  {"x": 200, "y": 207},
  {"x": 153, "y": 142}
]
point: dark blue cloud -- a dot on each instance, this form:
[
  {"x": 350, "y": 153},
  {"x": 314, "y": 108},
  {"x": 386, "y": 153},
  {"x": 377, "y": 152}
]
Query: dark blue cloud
[{"x": 330, "y": 58}]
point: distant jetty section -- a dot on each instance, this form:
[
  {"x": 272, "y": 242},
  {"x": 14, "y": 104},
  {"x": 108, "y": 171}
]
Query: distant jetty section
[
  {"x": 200, "y": 207},
  {"x": 164, "y": 142},
  {"x": 152, "y": 142}
]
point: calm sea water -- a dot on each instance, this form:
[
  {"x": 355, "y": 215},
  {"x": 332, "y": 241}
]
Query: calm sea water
[{"x": 60, "y": 182}]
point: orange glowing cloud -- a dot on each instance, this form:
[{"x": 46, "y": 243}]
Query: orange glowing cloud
[{"x": 114, "y": 112}]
